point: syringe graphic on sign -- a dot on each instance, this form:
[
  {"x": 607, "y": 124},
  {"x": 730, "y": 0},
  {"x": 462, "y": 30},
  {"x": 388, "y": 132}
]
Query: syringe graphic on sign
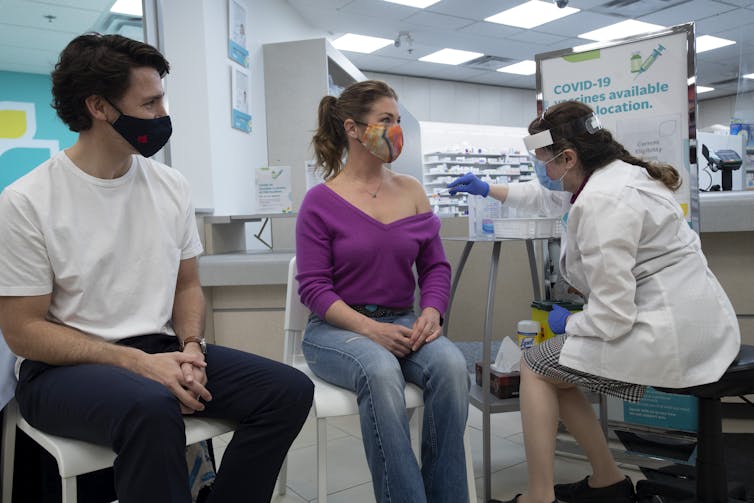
[{"x": 656, "y": 53}]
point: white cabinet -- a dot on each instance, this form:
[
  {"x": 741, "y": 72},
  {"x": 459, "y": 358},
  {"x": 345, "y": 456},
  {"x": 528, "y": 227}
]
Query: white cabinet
[{"x": 440, "y": 168}]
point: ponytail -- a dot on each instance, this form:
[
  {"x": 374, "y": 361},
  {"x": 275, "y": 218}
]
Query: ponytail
[{"x": 329, "y": 140}]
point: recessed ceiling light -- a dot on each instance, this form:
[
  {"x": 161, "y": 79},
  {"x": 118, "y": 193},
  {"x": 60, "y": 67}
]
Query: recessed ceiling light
[
  {"x": 531, "y": 14},
  {"x": 526, "y": 67},
  {"x": 450, "y": 56},
  {"x": 128, "y": 7},
  {"x": 419, "y": 4},
  {"x": 708, "y": 42},
  {"x": 703, "y": 89},
  {"x": 360, "y": 43},
  {"x": 749, "y": 76},
  {"x": 621, "y": 30}
]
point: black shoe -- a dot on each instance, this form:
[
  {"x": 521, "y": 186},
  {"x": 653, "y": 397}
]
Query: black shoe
[{"x": 580, "y": 492}]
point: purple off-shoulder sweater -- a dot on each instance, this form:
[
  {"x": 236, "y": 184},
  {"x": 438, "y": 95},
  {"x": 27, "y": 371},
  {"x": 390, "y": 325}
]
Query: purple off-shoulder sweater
[{"x": 344, "y": 254}]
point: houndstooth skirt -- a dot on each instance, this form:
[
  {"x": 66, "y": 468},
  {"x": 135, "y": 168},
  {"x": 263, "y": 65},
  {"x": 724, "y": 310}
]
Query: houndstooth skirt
[{"x": 543, "y": 359}]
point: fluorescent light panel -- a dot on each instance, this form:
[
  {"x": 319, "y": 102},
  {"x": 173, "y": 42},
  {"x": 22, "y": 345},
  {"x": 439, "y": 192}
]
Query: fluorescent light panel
[
  {"x": 419, "y": 4},
  {"x": 450, "y": 56},
  {"x": 708, "y": 42},
  {"x": 703, "y": 89},
  {"x": 526, "y": 67},
  {"x": 749, "y": 76},
  {"x": 620, "y": 30},
  {"x": 128, "y": 7},
  {"x": 531, "y": 14},
  {"x": 360, "y": 43}
]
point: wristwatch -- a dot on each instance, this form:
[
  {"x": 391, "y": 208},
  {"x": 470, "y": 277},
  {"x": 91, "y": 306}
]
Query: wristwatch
[{"x": 199, "y": 340}]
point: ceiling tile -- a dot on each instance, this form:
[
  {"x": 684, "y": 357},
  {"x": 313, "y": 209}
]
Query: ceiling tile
[
  {"x": 576, "y": 24},
  {"x": 476, "y": 9},
  {"x": 726, "y": 21},
  {"x": 438, "y": 21},
  {"x": 378, "y": 9},
  {"x": 700, "y": 8},
  {"x": 96, "y": 5},
  {"x": 632, "y": 9},
  {"x": 538, "y": 38},
  {"x": 487, "y": 29}
]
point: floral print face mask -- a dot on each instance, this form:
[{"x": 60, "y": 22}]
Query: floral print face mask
[{"x": 384, "y": 142}]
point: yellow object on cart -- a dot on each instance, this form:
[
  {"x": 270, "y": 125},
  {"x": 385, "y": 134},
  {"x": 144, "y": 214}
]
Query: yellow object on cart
[{"x": 540, "y": 309}]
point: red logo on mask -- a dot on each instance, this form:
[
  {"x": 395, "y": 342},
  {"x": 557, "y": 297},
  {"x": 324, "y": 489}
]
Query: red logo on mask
[{"x": 142, "y": 139}]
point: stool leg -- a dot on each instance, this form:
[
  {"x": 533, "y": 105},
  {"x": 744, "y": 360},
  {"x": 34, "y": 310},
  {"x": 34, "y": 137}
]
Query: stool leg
[{"x": 711, "y": 481}]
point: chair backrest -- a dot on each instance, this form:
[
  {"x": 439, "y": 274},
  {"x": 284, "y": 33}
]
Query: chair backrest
[{"x": 296, "y": 316}]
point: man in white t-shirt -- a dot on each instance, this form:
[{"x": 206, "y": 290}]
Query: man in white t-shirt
[{"x": 100, "y": 295}]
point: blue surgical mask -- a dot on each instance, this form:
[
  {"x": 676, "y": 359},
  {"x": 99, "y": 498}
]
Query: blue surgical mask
[{"x": 540, "y": 168}]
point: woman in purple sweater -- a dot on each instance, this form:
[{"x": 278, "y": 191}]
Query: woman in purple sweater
[{"x": 358, "y": 237}]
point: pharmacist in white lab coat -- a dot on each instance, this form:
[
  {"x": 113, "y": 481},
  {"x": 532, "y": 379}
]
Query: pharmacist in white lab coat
[{"x": 655, "y": 314}]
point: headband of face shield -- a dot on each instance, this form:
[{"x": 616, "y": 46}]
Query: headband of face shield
[{"x": 590, "y": 124}]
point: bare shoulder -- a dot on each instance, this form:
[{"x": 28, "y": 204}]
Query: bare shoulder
[{"x": 414, "y": 189}]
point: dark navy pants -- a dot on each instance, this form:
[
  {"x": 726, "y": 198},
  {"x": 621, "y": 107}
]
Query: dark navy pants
[{"x": 141, "y": 420}]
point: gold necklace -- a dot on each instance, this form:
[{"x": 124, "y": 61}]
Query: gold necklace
[{"x": 374, "y": 194}]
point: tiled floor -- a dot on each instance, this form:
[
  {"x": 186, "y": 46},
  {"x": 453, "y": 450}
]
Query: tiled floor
[{"x": 348, "y": 475}]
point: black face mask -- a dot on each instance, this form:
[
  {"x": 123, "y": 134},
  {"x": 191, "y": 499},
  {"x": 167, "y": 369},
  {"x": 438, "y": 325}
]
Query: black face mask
[{"x": 147, "y": 136}]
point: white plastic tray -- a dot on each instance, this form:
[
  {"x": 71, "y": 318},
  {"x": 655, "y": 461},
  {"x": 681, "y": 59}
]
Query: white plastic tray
[{"x": 527, "y": 228}]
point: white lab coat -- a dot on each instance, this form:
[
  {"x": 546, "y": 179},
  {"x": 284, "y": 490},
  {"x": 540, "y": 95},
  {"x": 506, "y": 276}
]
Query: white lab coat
[{"x": 655, "y": 313}]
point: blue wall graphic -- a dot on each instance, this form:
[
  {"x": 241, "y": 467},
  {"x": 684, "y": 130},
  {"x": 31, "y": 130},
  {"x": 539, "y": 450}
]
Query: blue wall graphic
[{"x": 30, "y": 130}]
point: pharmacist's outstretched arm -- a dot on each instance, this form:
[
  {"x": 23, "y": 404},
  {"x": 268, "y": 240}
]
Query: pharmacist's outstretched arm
[
  {"x": 471, "y": 184},
  {"x": 499, "y": 191}
]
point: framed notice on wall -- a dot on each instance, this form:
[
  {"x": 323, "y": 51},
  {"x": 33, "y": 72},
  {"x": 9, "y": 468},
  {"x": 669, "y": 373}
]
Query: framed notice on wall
[{"x": 643, "y": 90}]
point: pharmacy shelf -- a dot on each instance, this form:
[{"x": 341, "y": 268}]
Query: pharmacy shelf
[{"x": 440, "y": 168}]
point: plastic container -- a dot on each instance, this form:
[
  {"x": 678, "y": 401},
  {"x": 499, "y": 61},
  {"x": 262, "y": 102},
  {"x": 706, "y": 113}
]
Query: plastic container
[
  {"x": 527, "y": 228},
  {"x": 528, "y": 333},
  {"x": 483, "y": 212}
]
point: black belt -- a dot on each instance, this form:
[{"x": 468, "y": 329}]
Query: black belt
[{"x": 375, "y": 311}]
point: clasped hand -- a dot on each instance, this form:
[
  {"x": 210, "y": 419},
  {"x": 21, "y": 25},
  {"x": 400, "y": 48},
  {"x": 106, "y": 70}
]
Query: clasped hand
[
  {"x": 183, "y": 373},
  {"x": 469, "y": 183},
  {"x": 401, "y": 341}
]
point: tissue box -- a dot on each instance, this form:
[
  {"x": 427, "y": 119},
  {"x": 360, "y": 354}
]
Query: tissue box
[{"x": 502, "y": 385}]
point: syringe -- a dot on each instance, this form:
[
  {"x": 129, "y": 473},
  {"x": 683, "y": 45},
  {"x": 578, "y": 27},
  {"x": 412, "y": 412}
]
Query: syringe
[{"x": 650, "y": 59}]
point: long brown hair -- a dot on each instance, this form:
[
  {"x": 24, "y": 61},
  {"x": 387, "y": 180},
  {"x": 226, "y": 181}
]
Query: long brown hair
[
  {"x": 596, "y": 149},
  {"x": 330, "y": 141}
]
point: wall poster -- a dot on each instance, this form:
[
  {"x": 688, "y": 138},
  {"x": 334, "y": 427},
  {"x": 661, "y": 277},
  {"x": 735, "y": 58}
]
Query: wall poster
[{"x": 237, "y": 24}]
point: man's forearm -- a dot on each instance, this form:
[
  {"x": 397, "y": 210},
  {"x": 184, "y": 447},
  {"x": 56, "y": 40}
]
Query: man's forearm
[{"x": 189, "y": 312}]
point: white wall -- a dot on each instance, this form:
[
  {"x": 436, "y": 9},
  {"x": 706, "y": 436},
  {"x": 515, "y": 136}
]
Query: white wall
[
  {"x": 460, "y": 102},
  {"x": 721, "y": 110},
  {"x": 218, "y": 160}
]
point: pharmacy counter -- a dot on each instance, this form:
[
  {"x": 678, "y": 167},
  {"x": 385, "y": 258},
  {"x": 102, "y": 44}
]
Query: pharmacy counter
[
  {"x": 730, "y": 211},
  {"x": 245, "y": 268}
]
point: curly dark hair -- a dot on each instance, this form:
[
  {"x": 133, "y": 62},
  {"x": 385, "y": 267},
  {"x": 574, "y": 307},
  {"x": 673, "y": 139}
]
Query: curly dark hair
[
  {"x": 594, "y": 149},
  {"x": 96, "y": 64}
]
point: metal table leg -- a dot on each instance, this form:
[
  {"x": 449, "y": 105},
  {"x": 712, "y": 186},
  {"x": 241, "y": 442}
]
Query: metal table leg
[{"x": 488, "y": 314}]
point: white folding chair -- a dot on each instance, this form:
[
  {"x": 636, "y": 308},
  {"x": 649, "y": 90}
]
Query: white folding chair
[
  {"x": 75, "y": 457},
  {"x": 334, "y": 401}
]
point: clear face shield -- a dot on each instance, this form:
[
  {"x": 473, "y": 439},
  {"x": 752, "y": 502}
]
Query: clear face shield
[{"x": 590, "y": 124}]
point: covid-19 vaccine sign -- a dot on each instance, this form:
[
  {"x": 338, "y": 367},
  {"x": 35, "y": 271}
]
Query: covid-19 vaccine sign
[{"x": 640, "y": 89}]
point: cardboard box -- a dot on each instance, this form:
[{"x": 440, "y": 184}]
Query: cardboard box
[{"x": 502, "y": 385}]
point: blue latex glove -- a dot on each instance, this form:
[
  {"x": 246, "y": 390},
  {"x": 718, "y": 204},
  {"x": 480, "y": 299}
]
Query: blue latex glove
[
  {"x": 558, "y": 318},
  {"x": 469, "y": 183}
]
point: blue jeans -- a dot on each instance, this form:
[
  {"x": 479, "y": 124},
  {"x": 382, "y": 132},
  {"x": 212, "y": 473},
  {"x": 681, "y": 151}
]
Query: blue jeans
[{"x": 378, "y": 378}]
